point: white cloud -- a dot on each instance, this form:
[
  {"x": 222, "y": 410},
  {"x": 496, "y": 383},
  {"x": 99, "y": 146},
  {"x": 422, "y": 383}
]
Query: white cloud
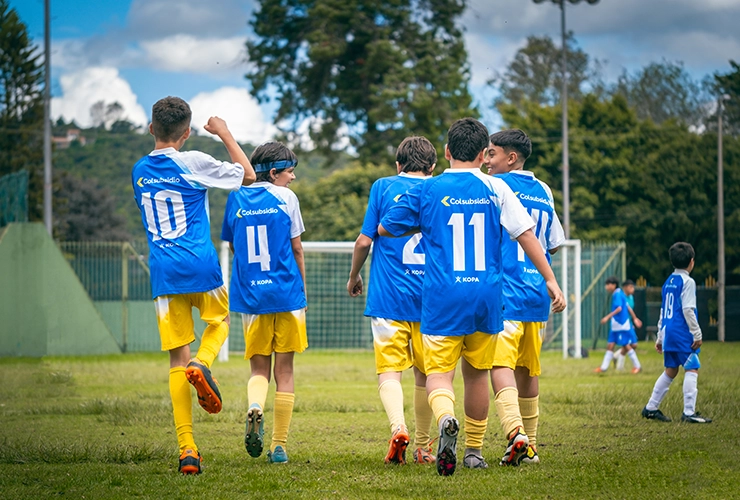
[
  {"x": 241, "y": 111},
  {"x": 161, "y": 18},
  {"x": 82, "y": 89},
  {"x": 187, "y": 53}
]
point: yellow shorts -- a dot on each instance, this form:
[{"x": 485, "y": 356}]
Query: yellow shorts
[
  {"x": 441, "y": 353},
  {"x": 175, "y": 314},
  {"x": 519, "y": 345},
  {"x": 274, "y": 332},
  {"x": 397, "y": 345}
]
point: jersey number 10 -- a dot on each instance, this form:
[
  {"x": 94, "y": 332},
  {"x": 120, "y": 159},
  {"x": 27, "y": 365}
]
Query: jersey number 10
[{"x": 164, "y": 226}]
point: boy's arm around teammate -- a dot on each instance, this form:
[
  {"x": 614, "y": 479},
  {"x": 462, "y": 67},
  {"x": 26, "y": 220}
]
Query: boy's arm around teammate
[{"x": 217, "y": 126}]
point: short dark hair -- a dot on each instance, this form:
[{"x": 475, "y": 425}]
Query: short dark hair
[
  {"x": 612, "y": 280},
  {"x": 416, "y": 154},
  {"x": 170, "y": 118},
  {"x": 513, "y": 140},
  {"x": 466, "y": 138},
  {"x": 270, "y": 152},
  {"x": 681, "y": 254},
  {"x": 628, "y": 283}
]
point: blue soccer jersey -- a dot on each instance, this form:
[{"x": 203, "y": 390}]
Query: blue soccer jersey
[
  {"x": 170, "y": 188},
  {"x": 397, "y": 266},
  {"x": 461, "y": 215},
  {"x": 679, "y": 294},
  {"x": 260, "y": 221},
  {"x": 525, "y": 291},
  {"x": 621, "y": 321}
]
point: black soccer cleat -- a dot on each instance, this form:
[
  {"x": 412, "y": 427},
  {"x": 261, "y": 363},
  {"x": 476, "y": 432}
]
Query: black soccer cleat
[{"x": 655, "y": 415}]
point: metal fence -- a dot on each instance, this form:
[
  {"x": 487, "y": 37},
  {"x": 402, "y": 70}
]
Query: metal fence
[{"x": 14, "y": 198}]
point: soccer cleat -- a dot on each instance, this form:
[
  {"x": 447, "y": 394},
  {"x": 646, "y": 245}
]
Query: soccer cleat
[
  {"x": 635, "y": 371},
  {"x": 397, "y": 448},
  {"x": 447, "y": 447},
  {"x": 531, "y": 457},
  {"x": 696, "y": 418},
  {"x": 190, "y": 462},
  {"x": 255, "y": 433},
  {"x": 518, "y": 445},
  {"x": 655, "y": 415},
  {"x": 424, "y": 455},
  {"x": 472, "y": 461},
  {"x": 279, "y": 456},
  {"x": 599, "y": 370},
  {"x": 209, "y": 397}
]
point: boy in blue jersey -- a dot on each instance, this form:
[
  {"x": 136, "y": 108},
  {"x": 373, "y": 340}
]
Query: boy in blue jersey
[
  {"x": 516, "y": 366},
  {"x": 619, "y": 327},
  {"x": 628, "y": 287},
  {"x": 263, "y": 224},
  {"x": 461, "y": 215},
  {"x": 679, "y": 337},
  {"x": 170, "y": 188},
  {"x": 394, "y": 300}
]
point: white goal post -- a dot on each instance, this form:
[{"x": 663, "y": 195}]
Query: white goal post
[{"x": 570, "y": 283}]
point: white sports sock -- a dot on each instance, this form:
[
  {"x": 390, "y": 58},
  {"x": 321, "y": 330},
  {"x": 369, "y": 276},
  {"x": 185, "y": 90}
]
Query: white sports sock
[
  {"x": 620, "y": 359},
  {"x": 659, "y": 391},
  {"x": 633, "y": 357},
  {"x": 689, "y": 392},
  {"x": 607, "y": 359}
]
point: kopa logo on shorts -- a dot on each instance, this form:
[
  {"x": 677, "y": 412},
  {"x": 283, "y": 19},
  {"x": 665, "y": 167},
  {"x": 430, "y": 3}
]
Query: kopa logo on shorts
[
  {"x": 240, "y": 212},
  {"x": 448, "y": 201},
  {"x": 157, "y": 180}
]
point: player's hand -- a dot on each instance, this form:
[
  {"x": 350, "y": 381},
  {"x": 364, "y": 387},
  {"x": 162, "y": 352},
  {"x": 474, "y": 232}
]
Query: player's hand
[
  {"x": 638, "y": 323},
  {"x": 604, "y": 320},
  {"x": 354, "y": 286},
  {"x": 696, "y": 345},
  {"x": 556, "y": 294},
  {"x": 216, "y": 126},
  {"x": 659, "y": 348}
]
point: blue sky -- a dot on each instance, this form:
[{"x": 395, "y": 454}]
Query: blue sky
[{"x": 137, "y": 51}]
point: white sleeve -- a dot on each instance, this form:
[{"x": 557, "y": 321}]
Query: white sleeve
[
  {"x": 514, "y": 217},
  {"x": 294, "y": 211},
  {"x": 661, "y": 332},
  {"x": 690, "y": 317},
  {"x": 557, "y": 235},
  {"x": 209, "y": 172},
  {"x": 688, "y": 294}
]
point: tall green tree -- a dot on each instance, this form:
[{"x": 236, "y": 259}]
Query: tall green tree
[
  {"x": 21, "y": 106},
  {"x": 375, "y": 71},
  {"x": 729, "y": 84}
]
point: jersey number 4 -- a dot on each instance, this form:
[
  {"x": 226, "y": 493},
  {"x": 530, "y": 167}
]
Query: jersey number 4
[{"x": 258, "y": 247}]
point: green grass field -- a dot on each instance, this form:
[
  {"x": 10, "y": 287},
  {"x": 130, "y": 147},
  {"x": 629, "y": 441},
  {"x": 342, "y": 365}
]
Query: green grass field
[{"x": 102, "y": 428}]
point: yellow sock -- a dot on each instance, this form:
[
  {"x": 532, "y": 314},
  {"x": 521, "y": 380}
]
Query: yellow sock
[
  {"x": 391, "y": 395},
  {"x": 530, "y": 410},
  {"x": 442, "y": 402},
  {"x": 422, "y": 417},
  {"x": 213, "y": 338},
  {"x": 507, "y": 407},
  {"x": 283, "y": 414},
  {"x": 475, "y": 431},
  {"x": 182, "y": 408},
  {"x": 257, "y": 390}
]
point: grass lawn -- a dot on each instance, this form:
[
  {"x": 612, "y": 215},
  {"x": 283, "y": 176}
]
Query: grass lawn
[{"x": 102, "y": 428}]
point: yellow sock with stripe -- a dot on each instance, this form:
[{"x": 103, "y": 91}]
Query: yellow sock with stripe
[
  {"x": 442, "y": 402},
  {"x": 283, "y": 414},
  {"x": 507, "y": 407},
  {"x": 257, "y": 390},
  {"x": 475, "y": 431},
  {"x": 422, "y": 417},
  {"x": 213, "y": 338},
  {"x": 391, "y": 395},
  {"x": 182, "y": 408},
  {"x": 530, "y": 411}
]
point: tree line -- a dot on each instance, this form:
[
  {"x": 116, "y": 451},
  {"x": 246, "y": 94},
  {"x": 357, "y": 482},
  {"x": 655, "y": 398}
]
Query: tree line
[{"x": 643, "y": 149}]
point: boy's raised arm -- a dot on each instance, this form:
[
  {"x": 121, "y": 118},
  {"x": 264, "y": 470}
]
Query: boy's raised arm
[{"x": 217, "y": 126}]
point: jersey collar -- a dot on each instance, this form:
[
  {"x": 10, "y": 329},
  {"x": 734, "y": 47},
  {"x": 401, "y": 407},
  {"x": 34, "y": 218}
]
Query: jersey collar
[
  {"x": 461, "y": 170},
  {"x": 527, "y": 173},
  {"x": 681, "y": 271},
  {"x": 163, "y": 151}
]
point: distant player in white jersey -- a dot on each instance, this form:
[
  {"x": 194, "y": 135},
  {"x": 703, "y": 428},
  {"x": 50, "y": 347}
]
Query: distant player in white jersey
[
  {"x": 170, "y": 188},
  {"x": 394, "y": 300},
  {"x": 516, "y": 366},
  {"x": 620, "y": 329},
  {"x": 462, "y": 215},
  {"x": 679, "y": 338},
  {"x": 263, "y": 223}
]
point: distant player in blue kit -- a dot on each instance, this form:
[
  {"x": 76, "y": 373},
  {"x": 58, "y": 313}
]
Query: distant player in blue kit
[
  {"x": 263, "y": 223},
  {"x": 628, "y": 287},
  {"x": 679, "y": 337},
  {"x": 170, "y": 188},
  {"x": 394, "y": 300},
  {"x": 516, "y": 366},
  {"x": 462, "y": 215},
  {"x": 620, "y": 328}
]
